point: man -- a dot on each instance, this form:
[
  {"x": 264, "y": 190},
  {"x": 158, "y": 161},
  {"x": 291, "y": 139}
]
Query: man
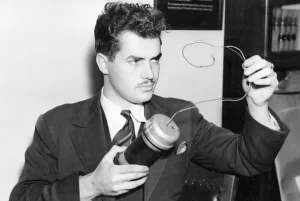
[{"x": 71, "y": 156}]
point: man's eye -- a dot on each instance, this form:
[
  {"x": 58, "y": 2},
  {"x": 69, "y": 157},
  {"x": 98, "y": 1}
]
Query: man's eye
[
  {"x": 155, "y": 60},
  {"x": 135, "y": 61}
]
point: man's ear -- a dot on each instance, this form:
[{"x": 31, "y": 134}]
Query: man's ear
[{"x": 102, "y": 60}]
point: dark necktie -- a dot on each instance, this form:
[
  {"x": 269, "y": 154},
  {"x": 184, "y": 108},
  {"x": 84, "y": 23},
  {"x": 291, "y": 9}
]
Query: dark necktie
[
  {"x": 126, "y": 135},
  {"x": 123, "y": 138}
]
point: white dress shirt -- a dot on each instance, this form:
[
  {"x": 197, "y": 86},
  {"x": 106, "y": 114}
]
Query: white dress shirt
[{"x": 115, "y": 120}]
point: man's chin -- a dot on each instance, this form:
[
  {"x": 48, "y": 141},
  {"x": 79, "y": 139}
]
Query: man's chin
[{"x": 145, "y": 97}]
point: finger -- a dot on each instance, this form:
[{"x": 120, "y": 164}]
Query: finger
[
  {"x": 118, "y": 192},
  {"x": 266, "y": 81},
  {"x": 131, "y": 168},
  {"x": 261, "y": 64},
  {"x": 266, "y": 72},
  {"x": 128, "y": 177},
  {"x": 131, "y": 184},
  {"x": 250, "y": 61},
  {"x": 269, "y": 80}
]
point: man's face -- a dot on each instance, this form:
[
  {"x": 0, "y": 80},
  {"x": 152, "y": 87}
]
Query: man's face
[{"x": 132, "y": 75}]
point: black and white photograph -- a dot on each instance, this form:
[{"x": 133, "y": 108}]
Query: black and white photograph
[{"x": 150, "y": 100}]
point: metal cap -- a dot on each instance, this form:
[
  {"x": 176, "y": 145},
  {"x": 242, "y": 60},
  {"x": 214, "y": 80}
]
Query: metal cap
[{"x": 160, "y": 132}]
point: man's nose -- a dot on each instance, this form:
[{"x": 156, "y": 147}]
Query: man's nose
[{"x": 147, "y": 72}]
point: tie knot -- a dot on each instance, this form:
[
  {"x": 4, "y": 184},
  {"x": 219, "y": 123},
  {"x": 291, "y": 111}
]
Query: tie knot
[{"x": 126, "y": 114}]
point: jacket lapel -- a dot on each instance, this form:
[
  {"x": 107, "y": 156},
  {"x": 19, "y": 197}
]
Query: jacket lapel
[
  {"x": 90, "y": 140},
  {"x": 92, "y": 143},
  {"x": 157, "y": 168}
]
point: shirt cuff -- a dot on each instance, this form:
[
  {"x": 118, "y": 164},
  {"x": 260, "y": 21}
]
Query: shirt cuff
[{"x": 273, "y": 123}]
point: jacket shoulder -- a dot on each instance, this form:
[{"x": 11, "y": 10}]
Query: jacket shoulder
[
  {"x": 171, "y": 103},
  {"x": 65, "y": 111},
  {"x": 60, "y": 119}
]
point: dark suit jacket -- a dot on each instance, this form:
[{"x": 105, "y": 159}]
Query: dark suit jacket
[{"x": 69, "y": 141}]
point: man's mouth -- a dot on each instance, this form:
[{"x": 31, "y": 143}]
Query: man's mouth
[{"x": 147, "y": 84}]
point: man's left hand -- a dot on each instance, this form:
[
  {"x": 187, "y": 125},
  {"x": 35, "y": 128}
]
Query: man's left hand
[{"x": 263, "y": 80}]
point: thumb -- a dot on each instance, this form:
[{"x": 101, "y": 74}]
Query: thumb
[
  {"x": 114, "y": 150},
  {"x": 274, "y": 81}
]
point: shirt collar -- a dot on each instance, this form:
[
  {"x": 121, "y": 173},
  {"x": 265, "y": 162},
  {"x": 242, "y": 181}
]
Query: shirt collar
[{"x": 113, "y": 110}]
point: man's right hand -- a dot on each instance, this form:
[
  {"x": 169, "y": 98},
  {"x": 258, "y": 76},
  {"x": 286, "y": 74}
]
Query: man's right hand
[{"x": 110, "y": 179}]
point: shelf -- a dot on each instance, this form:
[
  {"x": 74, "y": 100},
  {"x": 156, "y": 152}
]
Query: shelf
[
  {"x": 282, "y": 60},
  {"x": 284, "y": 2}
]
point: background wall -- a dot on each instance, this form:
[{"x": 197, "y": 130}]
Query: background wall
[{"x": 47, "y": 59}]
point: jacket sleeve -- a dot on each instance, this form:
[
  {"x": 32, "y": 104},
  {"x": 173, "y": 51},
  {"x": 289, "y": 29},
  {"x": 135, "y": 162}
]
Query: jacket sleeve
[
  {"x": 39, "y": 178},
  {"x": 249, "y": 153}
]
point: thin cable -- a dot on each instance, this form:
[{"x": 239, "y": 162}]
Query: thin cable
[
  {"x": 223, "y": 100},
  {"x": 241, "y": 53},
  {"x": 235, "y": 50},
  {"x": 182, "y": 52}
]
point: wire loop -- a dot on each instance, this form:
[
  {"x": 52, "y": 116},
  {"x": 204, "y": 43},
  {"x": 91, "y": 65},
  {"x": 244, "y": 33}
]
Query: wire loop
[{"x": 230, "y": 47}]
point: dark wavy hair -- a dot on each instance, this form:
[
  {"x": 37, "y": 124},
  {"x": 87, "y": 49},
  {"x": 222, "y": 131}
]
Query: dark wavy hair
[{"x": 117, "y": 17}]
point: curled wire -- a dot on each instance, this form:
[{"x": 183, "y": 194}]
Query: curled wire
[
  {"x": 213, "y": 58},
  {"x": 230, "y": 47}
]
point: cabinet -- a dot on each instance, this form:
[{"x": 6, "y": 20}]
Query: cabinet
[
  {"x": 283, "y": 58},
  {"x": 248, "y": 26}
]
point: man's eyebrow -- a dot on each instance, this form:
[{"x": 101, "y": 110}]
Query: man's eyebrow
[
  {"x": 141, "y": 58},
  {"x": 157, "y": 57},
  {"x": 134, "y": 57}
]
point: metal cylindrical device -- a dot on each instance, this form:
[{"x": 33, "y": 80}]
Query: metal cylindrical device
[{"x": 158, "y": 135}]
